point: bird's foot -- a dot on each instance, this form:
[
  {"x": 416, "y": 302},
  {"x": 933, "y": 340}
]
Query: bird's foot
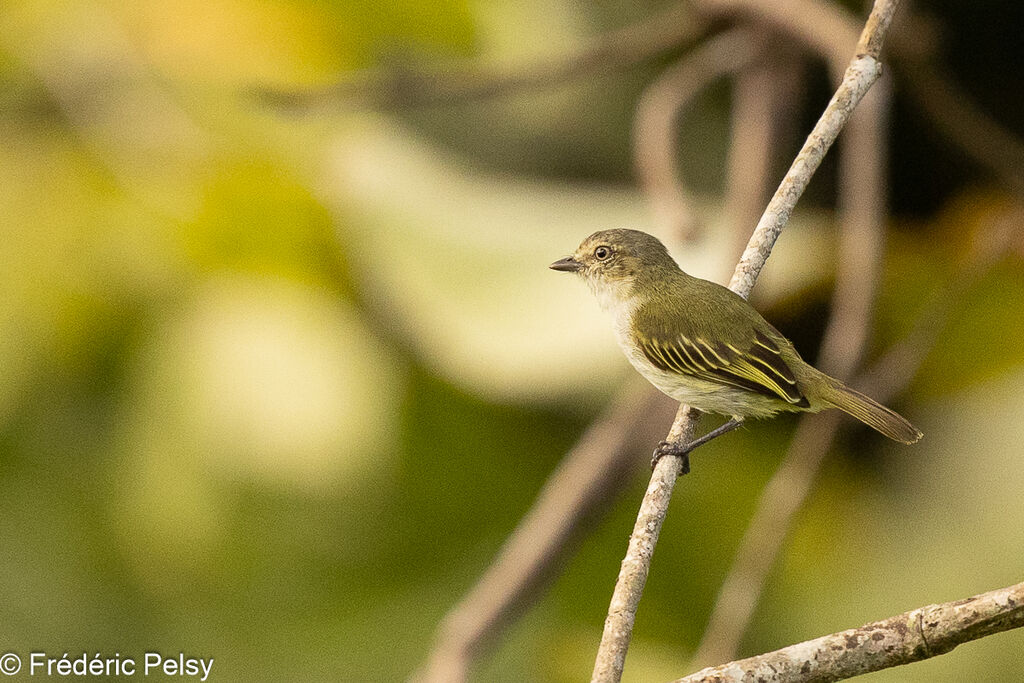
[
  {"x": 668, "y": 448},
  {"x": 683, "y": 450}
]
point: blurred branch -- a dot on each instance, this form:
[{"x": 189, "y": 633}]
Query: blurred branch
[
  {"x": 592, "y": 473},
  {"x": 394, "y": 88},
  {"x": 763, "y": 108},
  {"x": 819, "y": 26},
  {"x": 782, "y": 497},
  {"x": 657, "y": 116},
  {"x": 861, "y": 73},
  {"x": 862, "y": 207},
  {"x": 825, "y": 28},
  {"x": 909, "y": 637}
]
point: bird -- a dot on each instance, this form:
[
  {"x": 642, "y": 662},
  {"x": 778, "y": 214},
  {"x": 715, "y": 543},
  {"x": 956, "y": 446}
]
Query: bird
[{"x": 706, "y": 346}]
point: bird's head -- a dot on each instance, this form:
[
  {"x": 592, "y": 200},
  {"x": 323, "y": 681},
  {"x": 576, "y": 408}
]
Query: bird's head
[{"x": 613, "y": 261}]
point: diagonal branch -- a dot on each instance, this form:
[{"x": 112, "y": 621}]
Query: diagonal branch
[
  {"x": 919, "y": 634},
  {"x": 862, "y": 72}
]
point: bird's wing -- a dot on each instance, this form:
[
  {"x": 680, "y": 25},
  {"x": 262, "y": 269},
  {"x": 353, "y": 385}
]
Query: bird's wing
[{"x": 756, "y": 365}]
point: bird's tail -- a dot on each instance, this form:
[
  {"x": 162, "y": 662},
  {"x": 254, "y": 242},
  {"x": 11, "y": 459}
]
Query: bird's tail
[{"x": 871, "y": 413}]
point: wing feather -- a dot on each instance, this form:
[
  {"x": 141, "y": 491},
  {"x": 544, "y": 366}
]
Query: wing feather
[
  {"x": 660, "y": 357},
  {"x": 761, "y": 368},
  {"x": 680, "y": 360},
  {"x": 684, "y": 346}
]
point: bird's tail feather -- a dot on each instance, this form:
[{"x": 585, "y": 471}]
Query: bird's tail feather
[{"x": 873, "y": 414}]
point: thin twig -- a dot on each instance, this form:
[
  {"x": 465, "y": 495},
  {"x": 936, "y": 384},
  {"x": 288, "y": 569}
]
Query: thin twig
[
  {"x": 919, "y": 634},
  {"x": 618, "y": 625},
  {"x": 656, "y": 122},
  {"x": 862, "y": 72},
  {"x": 592, "y": 473},
  {"x": 402, "y": 89}
]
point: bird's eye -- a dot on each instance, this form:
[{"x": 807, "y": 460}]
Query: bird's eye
[{"x": 601, "y": 253}]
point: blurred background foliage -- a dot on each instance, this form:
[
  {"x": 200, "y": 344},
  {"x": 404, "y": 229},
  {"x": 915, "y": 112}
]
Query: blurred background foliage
[{"x": 274, "y": 386}]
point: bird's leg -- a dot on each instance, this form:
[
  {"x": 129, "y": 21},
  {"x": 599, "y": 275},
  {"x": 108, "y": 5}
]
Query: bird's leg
[{"x": 683, "y": 450}]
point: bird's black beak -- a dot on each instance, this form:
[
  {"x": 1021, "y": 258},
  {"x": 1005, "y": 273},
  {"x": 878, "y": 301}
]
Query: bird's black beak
[{"x": 567, "y": 264}]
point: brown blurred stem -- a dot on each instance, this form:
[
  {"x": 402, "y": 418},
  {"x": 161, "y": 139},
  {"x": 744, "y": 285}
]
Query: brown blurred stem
[
  {"x": 861, "y": 73},
  {"x": 763, "y": 109},
  {"x": 402, "y": 89},
  {"x": 816, "y": 25},
  {"x": 909, "y": 637},
  {"x": 592, "y": 473},
  {"x": 953, "y": 111},
  {"x": 656, "y": 122}
]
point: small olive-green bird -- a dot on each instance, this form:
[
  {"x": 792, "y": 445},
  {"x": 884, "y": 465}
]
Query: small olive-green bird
[{"x": 704, "y": 345}]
